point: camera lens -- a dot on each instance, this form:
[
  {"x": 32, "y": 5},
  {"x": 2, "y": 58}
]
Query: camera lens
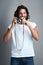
[{"x": 19, "y": 20}]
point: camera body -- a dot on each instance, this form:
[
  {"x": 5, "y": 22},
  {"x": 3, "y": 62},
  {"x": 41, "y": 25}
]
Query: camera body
[{"x": 19, "y": 20}]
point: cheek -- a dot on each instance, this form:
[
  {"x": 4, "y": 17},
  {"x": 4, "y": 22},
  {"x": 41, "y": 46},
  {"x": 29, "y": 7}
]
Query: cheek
[
  {"x": 25, "y": 14},
  {"x": 20, "y": 15}
]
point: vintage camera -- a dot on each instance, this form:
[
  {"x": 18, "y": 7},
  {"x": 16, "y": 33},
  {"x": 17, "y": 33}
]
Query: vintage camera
[{"x": 19, "y": 20}]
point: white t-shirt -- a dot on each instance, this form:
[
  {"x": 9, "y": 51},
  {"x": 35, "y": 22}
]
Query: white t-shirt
[{"x": 22, "y": 44}]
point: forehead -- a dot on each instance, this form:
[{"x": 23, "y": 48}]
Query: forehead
[{"x": 22, "y": 10}]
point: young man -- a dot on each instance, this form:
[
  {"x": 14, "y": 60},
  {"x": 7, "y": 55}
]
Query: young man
[{"x": 22, "y": 31}]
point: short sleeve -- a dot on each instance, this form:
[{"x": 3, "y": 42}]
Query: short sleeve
[
  {"x": 33, "y": 24},
  {"x": 9, "y": 26}
]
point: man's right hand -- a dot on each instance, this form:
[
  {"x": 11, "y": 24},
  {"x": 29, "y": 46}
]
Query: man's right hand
[{"x": 14, "y": 21}]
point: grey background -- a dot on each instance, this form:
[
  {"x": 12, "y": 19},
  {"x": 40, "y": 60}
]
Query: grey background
[{"x": 7, "y": 8}]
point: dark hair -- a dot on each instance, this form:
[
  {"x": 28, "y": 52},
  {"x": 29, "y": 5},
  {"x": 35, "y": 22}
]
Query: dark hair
[{"x": 16, "y": 14}]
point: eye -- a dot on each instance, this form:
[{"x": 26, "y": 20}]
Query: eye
[{"x": 24, "y": 12}]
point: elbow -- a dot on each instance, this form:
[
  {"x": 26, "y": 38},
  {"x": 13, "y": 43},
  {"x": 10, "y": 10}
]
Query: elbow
[
  {"x": 5, "y": 39},
  {"x": 37, "y": 38}
]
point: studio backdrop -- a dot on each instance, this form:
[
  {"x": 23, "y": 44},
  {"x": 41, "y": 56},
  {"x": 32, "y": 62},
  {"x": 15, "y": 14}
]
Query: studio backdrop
[{"x": 7, "y": 9}]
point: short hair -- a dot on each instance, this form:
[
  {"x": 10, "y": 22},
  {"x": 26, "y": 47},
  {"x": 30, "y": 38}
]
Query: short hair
[{"x": 16, "y": 14}]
